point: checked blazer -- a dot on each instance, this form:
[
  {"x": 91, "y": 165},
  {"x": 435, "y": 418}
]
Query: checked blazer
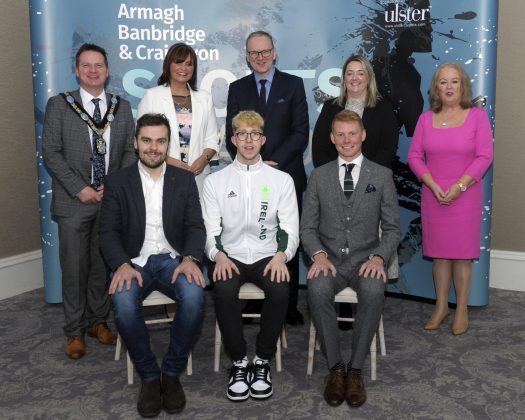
[{"x": 67, "y": 150}]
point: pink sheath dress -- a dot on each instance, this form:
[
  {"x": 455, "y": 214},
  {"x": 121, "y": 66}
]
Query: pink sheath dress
[{"x": 452, "y": 232}]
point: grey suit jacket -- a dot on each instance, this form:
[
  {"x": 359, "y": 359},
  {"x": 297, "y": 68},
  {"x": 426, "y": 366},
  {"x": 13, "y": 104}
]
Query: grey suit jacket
[
  {"x": 67, "y": 150},
  {"x": 326, "y": 226}
]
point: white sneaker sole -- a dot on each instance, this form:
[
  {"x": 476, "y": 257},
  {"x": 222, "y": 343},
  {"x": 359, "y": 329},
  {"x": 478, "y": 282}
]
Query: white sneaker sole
[
  {"x": 259, "y": 395},
  {"x": 238, "y": 397}
]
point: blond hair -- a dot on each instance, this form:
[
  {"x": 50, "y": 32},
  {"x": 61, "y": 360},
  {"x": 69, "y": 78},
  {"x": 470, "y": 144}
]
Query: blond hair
[
  {"x": 248, "y": 118},
  {"x": 372, "y": 94}
]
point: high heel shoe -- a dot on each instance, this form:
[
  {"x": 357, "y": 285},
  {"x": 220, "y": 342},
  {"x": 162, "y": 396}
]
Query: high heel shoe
[
  {"x": 434, "y": 323},
  {"x": 460, "y": 326}
]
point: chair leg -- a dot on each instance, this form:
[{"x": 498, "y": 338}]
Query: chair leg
[
  {"x": 311, "y": 349},
  {"x": 189, "y": 366},
  {"x": 118, "y": 347},
  {"x": 129, "y": 364},
  {"x": 382, "y": 344},
  {"x": 218, "y": 339},
  {"x": 278, "y": 361},
  {"x": 284, "y": 343},
  {"x": 373, "y": 360}
]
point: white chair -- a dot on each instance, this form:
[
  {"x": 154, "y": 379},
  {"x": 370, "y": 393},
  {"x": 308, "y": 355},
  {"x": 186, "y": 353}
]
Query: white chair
[
  {"x": 246, "y": 292},
  {"x": 155, "y": 298},
  {"x": 347, "y": 295}
]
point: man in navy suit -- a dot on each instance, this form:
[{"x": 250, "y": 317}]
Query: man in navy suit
[
  {"x": 152, "y": 237},
  {"x": 280, "y": 99}
]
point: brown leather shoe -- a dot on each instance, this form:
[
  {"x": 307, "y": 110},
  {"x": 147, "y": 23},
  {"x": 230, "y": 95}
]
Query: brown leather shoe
[
  {"x": 334, "y": 393},
  {"x": 75, "y": 347},
  {"x": 355, "y": 392},
  {"x": 102, "y": 332}
]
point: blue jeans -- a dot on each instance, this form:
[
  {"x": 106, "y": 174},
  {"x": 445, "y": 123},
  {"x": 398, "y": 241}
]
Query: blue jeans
[{"x": 127, "y": 306}]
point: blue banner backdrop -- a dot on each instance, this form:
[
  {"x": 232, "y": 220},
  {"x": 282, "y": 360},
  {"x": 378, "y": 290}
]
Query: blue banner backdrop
[{"x": 312, "y": 41}]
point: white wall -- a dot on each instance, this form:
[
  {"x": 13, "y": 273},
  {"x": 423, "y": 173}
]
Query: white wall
[{"x": 20, "y": 273}]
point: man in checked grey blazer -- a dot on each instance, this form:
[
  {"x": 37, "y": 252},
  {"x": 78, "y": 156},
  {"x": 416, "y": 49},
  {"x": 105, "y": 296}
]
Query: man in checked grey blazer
[
  {"x": 70, "y": 150},
  {"x": 340, "y": 232}
]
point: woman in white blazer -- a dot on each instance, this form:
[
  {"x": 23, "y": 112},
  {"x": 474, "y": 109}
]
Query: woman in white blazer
[{"x": 194, "y": 134}]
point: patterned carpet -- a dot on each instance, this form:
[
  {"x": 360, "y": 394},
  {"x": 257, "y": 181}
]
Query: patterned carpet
[{"x": 425, "y": 375}]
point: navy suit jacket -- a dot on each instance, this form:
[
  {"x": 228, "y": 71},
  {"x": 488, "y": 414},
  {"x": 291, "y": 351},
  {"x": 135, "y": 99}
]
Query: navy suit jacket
[
  {"x": 286, "y": 125},
  {"x": 123, "y": 215}
]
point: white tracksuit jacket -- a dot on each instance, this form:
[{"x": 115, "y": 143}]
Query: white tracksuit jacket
[{"x": 250, "y": 212}]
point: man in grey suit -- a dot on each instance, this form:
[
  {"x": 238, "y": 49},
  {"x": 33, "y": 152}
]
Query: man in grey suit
[
  {"x": 345, "y": 201},
  {"x": 87, "y": 133}
]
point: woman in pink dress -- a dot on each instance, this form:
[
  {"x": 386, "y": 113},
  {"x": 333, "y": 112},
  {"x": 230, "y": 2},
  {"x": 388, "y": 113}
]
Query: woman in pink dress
[{"x": 450, "y": 151}]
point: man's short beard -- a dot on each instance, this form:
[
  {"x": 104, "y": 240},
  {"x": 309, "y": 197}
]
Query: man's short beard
[{"x": 148, "y": 165}]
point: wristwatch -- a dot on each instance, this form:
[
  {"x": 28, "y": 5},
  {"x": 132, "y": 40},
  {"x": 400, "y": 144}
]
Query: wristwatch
[
  {"x": 462, "y": 187},
  {"x": 190, "y": 258}
]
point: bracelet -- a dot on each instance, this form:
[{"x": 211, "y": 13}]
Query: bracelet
[{"x": 208, "y": 159}]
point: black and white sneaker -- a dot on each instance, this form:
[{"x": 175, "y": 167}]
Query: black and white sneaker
[
  {"x": 238, "y": 385},
  {"x": 260, "y": 380}
]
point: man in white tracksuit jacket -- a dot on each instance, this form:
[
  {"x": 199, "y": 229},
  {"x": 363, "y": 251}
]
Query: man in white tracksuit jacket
[{"x": 252, "y": 224}]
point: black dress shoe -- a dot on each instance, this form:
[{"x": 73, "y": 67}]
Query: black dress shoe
[
  {"x": 294, "y": 317},
  {"x": 173, "y": 398},
  {"x": 150, "y": 400},
  {"x": 334, "y": 392}
]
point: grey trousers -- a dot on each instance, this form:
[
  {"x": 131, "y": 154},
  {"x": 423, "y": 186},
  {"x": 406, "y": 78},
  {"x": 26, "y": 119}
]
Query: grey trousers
[
  {"x": 84, "y": 279},
  {"x": 370, "y": 294}
]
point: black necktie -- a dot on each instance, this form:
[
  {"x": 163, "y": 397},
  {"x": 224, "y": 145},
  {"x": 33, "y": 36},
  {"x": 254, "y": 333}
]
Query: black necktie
[
  {"x": 348, "y": 181},
  {"x": 262, "y": 94},
  {"x": 99, "y": 162}
]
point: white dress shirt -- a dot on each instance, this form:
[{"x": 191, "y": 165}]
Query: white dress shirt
[
  {"x": 358, "y": 162},
  {"x": 155, "y": 241}
]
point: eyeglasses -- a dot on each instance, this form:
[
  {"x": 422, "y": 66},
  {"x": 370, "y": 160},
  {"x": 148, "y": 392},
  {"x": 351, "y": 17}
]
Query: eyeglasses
[
  {"x": 243, "y": 135},
  {"x": 263, "y": 53}
]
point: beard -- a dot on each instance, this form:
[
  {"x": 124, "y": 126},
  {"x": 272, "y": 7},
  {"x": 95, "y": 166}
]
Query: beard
[{"x": 152, "y": 164}]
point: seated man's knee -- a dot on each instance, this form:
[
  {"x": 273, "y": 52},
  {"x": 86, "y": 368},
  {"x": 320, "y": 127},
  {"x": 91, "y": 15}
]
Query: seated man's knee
[
  {"x": 320, "y": 290},
  {"x": 370, "y": 289},
  {"x": 189, "y": 292},
  {"x": 226, "y": 290},
  {"x": 196, "y": 295},
  {"x": 278, "y": 293},
  {"x": 127, "y": 302}
]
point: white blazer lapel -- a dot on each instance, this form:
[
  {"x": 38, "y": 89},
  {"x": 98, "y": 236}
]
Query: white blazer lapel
[
  {"x": 197, "y": 113},
  {"x": 169, "y": 110}
]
